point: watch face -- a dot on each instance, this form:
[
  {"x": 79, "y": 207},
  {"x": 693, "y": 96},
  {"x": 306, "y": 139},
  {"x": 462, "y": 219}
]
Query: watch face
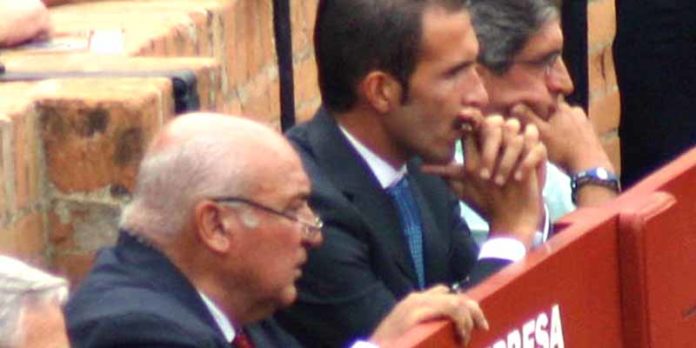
[{"x": 602, "y": 173}]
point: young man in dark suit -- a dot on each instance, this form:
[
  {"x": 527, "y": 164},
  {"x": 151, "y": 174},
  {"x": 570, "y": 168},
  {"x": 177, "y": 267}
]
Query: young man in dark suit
[
  {"x": 399, "y": 84},
  {"x": 213, "y": 243}
]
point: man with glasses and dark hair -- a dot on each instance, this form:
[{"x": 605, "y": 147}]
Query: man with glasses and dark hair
[
  {"x": 399, "y": 85},
  {"x": 526, "y": 78},
  {"x": 213, "y": 243}
]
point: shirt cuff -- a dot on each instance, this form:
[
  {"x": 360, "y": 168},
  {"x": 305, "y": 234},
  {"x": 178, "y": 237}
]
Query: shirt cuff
[
  {"x": 540, "y": 237},
  {"x": 503, "y": 248},
  {"x": 363, "y": 344}
]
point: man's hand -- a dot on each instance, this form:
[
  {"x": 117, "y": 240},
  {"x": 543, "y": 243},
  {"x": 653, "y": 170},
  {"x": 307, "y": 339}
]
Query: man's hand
[
  {"x": 572, "y": 144},
  {"x": 435, "y": 303},
  {"x": 502, "y": 176},
  {"x": 23, "y": 20},
  {"x": 569, "y": 137}
]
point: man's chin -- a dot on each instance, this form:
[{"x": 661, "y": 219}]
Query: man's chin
[{"x": 288, "y": 297}]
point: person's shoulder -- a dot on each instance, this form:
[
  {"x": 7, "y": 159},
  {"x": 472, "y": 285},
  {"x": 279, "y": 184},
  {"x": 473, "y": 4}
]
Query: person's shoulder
[
  {"x": 300, "y": 132},
  {"x": 112, "y": 290},
  {"x": 133, "y": 312},
  {"x": 143, "y": 328}
]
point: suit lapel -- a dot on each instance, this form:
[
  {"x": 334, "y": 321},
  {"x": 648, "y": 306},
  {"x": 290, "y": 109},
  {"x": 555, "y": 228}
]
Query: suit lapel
[{"x": 351, "y": 175}]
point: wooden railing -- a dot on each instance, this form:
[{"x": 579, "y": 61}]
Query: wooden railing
[{"x": 622, "y": 275}]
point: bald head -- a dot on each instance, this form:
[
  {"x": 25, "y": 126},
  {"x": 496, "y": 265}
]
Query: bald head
[
  {"x": 238, "y": 130},
  {"x": 201, "y": 155}
]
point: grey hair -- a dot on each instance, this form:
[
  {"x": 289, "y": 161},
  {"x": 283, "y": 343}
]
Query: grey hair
[
  {"x": 170, "y": 182},
  {"x": 503, "y": 28},
  {"x": 21, "y": 285}
]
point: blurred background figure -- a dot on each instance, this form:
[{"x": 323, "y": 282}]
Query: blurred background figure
[
  {"x": 654, "y": 51},
  {"x": 30, "y": 306},
  {"x": 22, "y": 21}
]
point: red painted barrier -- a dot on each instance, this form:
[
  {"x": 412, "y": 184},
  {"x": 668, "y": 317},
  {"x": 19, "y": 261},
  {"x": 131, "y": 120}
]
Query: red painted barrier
[{"x": 623, "y": 275}]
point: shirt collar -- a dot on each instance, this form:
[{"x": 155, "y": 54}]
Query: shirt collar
[
  {"x": 220, "y": 318},
  {"x": 385, "y": 173}
]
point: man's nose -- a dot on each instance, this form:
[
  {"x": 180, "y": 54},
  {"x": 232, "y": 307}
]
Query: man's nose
[
  {"x": 559, "y": 81},
  {"x": 313, "y": 240},
  {"x": 475, "y": 92}
]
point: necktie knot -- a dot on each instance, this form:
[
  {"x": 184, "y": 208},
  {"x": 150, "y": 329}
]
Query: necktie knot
[{"x": 398, "y": 188}]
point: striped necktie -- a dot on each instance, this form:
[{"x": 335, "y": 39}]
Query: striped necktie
[{"x": 411, "y": 224}]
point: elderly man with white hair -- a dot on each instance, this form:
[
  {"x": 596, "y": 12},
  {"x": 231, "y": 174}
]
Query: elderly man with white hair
[
  {"x": 30, "y": 306},
  {"x": 212, "y": 245}
]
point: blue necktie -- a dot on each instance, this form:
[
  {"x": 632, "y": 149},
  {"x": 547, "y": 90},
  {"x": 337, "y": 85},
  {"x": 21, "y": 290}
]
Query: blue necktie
[{"x": 411, "y": 223}]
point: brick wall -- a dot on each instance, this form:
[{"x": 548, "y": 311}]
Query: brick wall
[
  {"x": 604, "y": 91},
  {"x": 69, "y": 148}
]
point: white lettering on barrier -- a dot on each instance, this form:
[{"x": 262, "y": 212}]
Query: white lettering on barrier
[{"x": 536, "y": 332}]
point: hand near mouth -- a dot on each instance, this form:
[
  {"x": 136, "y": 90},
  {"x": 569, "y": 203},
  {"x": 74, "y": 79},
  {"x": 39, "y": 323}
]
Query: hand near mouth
[
  {"x": 502, "y": 176},
  {"x": 572, "y": 144}
]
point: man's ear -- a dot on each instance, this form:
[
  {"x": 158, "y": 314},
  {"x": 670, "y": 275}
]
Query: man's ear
[
  {"x": 381, "y": 91},
  {"x": 211, "y": 229}
]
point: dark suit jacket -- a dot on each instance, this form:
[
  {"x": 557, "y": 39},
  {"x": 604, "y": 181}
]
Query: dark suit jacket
[
  {"x": 135, "y": 297},
  {"x": 355, "y": 278}
]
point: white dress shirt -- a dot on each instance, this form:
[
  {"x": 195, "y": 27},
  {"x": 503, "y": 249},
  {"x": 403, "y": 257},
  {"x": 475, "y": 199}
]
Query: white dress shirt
[
  {"x": 220, "y": 318},
  {"x": 228, "y": 330}
]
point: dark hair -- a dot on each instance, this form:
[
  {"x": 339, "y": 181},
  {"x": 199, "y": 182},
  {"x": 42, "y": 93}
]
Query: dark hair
[
  {"x": 354, "y": 37},
  {"x": 503, "y": 27}
]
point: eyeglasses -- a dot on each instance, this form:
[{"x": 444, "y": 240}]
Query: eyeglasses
[
  {"x": 310, "y": 228},
  {"x": 546, "y": 63}
]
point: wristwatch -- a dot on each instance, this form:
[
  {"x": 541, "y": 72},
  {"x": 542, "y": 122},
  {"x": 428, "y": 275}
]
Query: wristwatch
[{"x": 596, "y": 176}]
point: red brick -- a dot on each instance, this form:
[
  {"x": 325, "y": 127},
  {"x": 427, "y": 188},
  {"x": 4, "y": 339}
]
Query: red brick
[
  {"x": 256, "y": 99},
  {"x": 7, "y": 190},
  {"x": 274, "y": 100},
  {"x": 73, "y": 266},
  {"x": 80, "y": 226},
  {"x": 602, "y": 75},
  {"x": 24, "y": 237},
  {"x": 234, "y": 107},
  {"x": 26, "y": 160},
  {"x": 306, "y": 110},
  {"x": 302, "y": 15},
  {"x": 59, "y": 232},
  {"x": 306, "y": 80},
  {"x": 207, "y": 70},
  {"x": 20, "y": 162},
  {"x": 250, "y": 38},
  {"x": 224, "y": 28},
  {"x": 159, "y": 27},
  {"x": 605, "y": 112},
  {"x": 94, "y": 131},
  {"x": 612, "y": 145},
  {"x": 266, "y": 34},
  {"x": 601, "y": 23}
]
